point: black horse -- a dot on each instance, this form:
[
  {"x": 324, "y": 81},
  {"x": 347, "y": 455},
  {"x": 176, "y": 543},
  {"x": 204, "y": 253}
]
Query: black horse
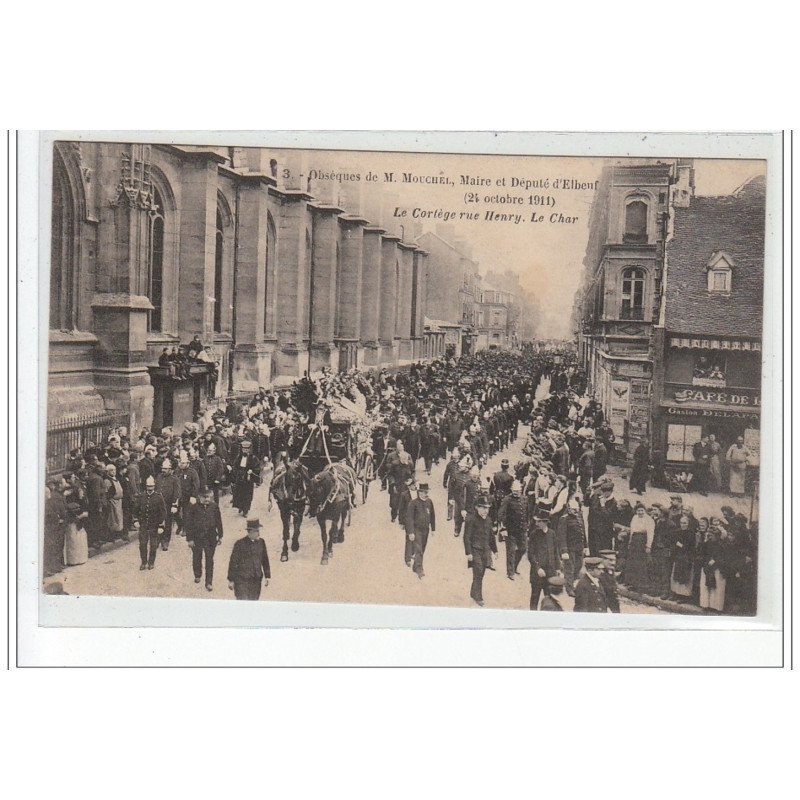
[
  {"x": 289, "y": 486},
  {"x": 331, "y": 496}
]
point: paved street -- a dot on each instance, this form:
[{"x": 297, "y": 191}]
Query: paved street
[{"x": 367, "y": 568}]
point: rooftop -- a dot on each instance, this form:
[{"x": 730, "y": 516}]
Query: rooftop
[{"x": 733, "y": 225}]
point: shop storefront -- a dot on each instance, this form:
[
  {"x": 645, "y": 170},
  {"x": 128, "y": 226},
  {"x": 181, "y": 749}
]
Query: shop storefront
[{"x": 688, "y": 413}]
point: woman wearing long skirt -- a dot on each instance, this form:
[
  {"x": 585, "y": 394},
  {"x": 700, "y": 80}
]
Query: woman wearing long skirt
[
  {"x": 76, "y": 540},
  {"x": 712, "y": 577},
  {"x": 683, "y": 561},
  {"x": 642, "y": 529}
]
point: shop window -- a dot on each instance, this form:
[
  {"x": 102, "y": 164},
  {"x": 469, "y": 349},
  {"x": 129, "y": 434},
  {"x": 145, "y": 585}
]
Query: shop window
[
  {"x": 632, "y": 294},
  {"x": 635, "y": 222},
  {"x": 709, "y": 370},
  {"x": 680, "y": 440}
]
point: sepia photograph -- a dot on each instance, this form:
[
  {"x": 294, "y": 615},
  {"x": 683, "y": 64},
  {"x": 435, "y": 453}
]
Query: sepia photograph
[{"x": 461, "y": 380}]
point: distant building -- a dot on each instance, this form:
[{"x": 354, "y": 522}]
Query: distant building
[
  {"x": 493, "y": 319},
  {"x": 452, "y": 286}
]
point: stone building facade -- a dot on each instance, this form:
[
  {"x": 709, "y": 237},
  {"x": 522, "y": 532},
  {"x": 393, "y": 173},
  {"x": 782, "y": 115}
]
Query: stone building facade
[{"x": 154, "y": 244}]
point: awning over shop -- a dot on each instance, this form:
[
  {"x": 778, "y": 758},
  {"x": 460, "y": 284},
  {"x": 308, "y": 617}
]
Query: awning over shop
[{"x": 700, "y": 343}]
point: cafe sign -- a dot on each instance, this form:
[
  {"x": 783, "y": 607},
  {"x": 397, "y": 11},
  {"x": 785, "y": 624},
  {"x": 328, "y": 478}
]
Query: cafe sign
[{"x": 718, "y": 397}]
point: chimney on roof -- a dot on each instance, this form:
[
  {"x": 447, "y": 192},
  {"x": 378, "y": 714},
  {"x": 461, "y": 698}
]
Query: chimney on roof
[{"x": 683, "y": 189}]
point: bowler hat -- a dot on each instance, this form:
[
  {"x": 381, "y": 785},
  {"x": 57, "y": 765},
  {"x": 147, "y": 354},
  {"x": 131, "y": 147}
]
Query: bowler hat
[
  {"x": 253, "y": 524},
  {"x": 483, "y": 502}
]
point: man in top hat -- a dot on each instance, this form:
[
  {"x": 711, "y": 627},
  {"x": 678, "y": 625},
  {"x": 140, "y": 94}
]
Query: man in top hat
[
  {"x": 420, "y": 520},
  {"x": 249, "y": 563},
  {"x": 555, "y": 598},
  {"x": 513, "y": 516},
  {"x": 246, "y": 475},
  {"x": 149, "y": 513},
  {"x": 203, "y": 534},
  {"x": 479, "y": 544},
  {"x": 590, "y": 593}
]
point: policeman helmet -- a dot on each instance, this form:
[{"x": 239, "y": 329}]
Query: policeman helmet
[{"x": 150, "y": 482}]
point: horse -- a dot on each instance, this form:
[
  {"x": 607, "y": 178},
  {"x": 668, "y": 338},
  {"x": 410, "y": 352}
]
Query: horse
[
  {"x": 331, "y": 496},
  {"x": 290, "y": 488}
]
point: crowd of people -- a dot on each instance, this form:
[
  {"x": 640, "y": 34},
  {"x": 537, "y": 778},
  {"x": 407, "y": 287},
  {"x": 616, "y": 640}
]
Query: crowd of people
[{"x": 462, "y": 411}]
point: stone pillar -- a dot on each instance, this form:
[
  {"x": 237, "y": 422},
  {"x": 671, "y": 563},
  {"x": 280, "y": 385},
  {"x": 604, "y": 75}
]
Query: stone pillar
[
  {"x": 326, "y": 269},
  {"x": 252, "y": 355},
  {"x": 351, "y": 256},
  {"x": 294, "y": 249},
  {"x": 420, "y": 293},
  {"x": 121, "y": 377},
  {"x": 198, "y": 241},
  {"x": 404, "y": 305},
  {"x": 371, "y": 274},
  {"x": 390, "y": 258}
]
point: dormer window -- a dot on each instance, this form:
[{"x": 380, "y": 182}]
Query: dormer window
[{"x": 719, "y": 270}]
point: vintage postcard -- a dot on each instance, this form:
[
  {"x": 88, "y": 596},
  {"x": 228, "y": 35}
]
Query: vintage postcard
[{"x": 389, "y": 376}]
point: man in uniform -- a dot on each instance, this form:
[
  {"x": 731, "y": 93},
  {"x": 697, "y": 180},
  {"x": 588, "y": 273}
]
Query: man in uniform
[
  {"x": 203, "y": 534},
  {"x": 589, "y": 592},
  {"x": 420, "y": 520},
  {"x": 249, "y": 563},
  {"x": 456, "y": 493},
  {"x": 501, "y": 482},
  {"x": 169, "y": 488},
  {"x": 215, "y": 470},
  {"x": 478, "y": 545},
  {"x": 189, "y": 482},
  {"x": 149, "y": 514},
  {"x": 513, "y": 516}
]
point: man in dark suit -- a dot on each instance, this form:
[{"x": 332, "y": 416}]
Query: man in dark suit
[
  {"x": 420, "y": 520},
  {"x": 590, "y": 594},
  {"x": 479, "y": 544},
  {"x": 203, "y": 534},
  {"x": 149, "y": 514},
  {"x": 249, "y": 563}
]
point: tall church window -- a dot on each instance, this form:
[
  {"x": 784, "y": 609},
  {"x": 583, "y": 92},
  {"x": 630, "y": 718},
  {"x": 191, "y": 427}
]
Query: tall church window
[
  {"x": 62, "y": 251},
  {"x": 218, "y": 256},
  {"x": 155, "y": 263}
]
